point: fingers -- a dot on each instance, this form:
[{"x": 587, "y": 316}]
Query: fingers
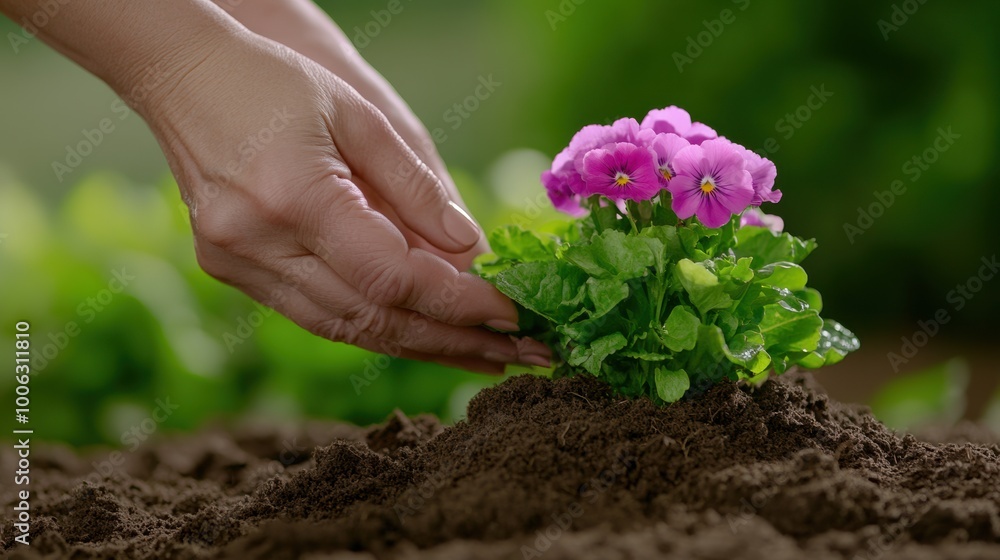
[
  {"x": 364, "y": 248},
  {"x": 376, "y": 153},
  {"x": 349, "y": 314},
  {"x": 461, "y": 261},
  {"x": 309, "y": 293},
  {"x": 329, "y": 307}
]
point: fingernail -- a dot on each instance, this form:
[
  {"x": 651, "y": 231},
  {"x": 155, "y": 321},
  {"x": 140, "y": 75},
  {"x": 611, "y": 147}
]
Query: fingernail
[
  {"x": 503, "y": 325},
  {"x": 500, "y": 357},
  {"x": 459, "y": 226},
  {"x": 535, "y": 360}
]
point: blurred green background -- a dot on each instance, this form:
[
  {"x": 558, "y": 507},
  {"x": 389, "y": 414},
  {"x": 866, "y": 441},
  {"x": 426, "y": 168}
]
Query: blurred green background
[{"x": 753, "y": 73}]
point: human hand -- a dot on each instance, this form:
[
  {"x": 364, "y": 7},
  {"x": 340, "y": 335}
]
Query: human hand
[
  {"x": 298, "y": 187},
  {"x": 305, "y": 28}
]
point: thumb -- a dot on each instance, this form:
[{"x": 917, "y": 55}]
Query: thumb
[{"x": 373, "y": 150}]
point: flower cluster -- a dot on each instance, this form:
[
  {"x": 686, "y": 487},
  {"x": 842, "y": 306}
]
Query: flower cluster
[
  {"x": 671, "y": 279},
  {"x": 705, "y": 175}
]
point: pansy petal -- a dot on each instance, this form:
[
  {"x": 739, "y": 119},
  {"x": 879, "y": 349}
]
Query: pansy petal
[
  {"x": 735, "y": 197},
  {"x": 712, "y": 213},
  {"x": 688, "y": 161},
  {"x": 669, "y": 119},
  {"x": 722, "y": 153},
  {"x": 686, "y": 196},
  {"x": 625, "y": 130},
  {"x": 698, "y": 133}
]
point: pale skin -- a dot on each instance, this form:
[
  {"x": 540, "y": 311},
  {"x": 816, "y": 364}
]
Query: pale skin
[{"x": 311, "y": 185}]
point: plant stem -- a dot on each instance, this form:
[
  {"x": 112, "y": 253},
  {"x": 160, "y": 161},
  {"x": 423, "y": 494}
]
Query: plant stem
[{"x": 595, "y": 205}]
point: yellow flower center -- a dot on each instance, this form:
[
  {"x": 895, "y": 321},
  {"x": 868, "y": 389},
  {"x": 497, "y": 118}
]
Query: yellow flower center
[
  {"x": 707, "y": 187},
  {"x": 622, "y": 179},
  {"x": 666, "y": 173}
]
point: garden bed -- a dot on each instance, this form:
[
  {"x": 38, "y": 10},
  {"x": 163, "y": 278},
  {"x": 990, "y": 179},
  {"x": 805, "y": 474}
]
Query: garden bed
[{"x": 560, "y": 470}]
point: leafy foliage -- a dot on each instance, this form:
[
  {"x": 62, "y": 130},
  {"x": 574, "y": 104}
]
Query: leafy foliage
[{"x": 661, "y": 307}]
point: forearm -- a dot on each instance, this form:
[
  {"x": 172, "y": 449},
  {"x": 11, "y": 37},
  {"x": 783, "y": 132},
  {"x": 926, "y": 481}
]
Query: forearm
[
  {"x": 298, "y": 24},
  {"x": 302, "y": 26},
  {"x": 132, "y": 44}
]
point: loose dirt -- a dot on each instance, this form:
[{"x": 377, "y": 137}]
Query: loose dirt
[{"x": 553, "y": 469}]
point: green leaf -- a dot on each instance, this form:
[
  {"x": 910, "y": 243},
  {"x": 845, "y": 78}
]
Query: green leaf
[
  {"x": 835, "y": 343},
  {"x": 744, "y": 349},
  {"x": 742, "y": 271},
  {"x": 671, "y": 384},
  {"x": 690, "y": 238},
  {"x": 680, "y": 331},
  {"x": 612, "y": 254},
  {"x": 605, "y": 294},
  {"x": 516, "y": 243},
  {"x": 766, "y": 247},
  {"x": 783, "y": 275},
  {"x": 727, "y": 321},
  {"x": 708, "y": 362},
  {"x": 605, "y": 216},
  {"x": 583, "y": 331},
  {"x": 787, "y": 330},
  {"x": 553, "y": 290},
  {"x": 747, "y": 349},
  {"x": 644, "y": 355},
  {"x": 591, "y": 357},
  {"x": 812, "y": 298},
  {"x": 702, "y": 286},
  {"x": 664, "y": 243}
]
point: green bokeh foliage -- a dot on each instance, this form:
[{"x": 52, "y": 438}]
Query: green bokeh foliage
[{"x": 599, "y": 61}]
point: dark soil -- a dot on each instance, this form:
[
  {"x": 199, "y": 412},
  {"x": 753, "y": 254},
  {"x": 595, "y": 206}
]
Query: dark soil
[{"x": 561, "y": 470}]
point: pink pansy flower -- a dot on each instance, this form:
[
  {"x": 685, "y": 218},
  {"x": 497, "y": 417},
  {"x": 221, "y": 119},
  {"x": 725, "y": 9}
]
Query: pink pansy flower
[
  {"x": 628, "y": 130},
  {"x": 763, "y": 172},
  {"x": 711, "y": 182},
  {"x": 623, "y": 130},
  {"x": 589, "y": 137},
  {"x": 564, "y": 196},
  {"x": 621, "y": 171},
  {"x": 666, "y": 146},
  {"x": 675, "y": 120},
  {"x": 754, "y": 217}
]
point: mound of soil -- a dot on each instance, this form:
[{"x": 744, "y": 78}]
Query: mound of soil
[{"x": 561, "y": 470}]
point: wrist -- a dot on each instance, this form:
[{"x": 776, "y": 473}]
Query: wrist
[
  {"x": 300, "y": 25},
  {"x": 138, "y": 47},
  {"x": 164, "y": 65}
]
